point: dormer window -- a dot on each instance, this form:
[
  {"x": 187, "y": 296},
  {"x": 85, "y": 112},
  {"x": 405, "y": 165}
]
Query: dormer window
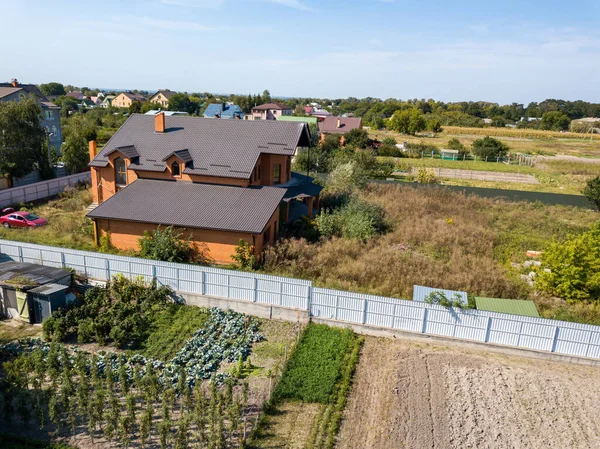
[{"x": 176, "y": 169}]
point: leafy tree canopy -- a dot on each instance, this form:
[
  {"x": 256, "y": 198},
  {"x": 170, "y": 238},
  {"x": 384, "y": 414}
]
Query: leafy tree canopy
[
  {"x": 592, "y": 191},
  {"x": 555, "y": 121},
  {"x": 53, "y": 88},
  {"x": 489, "y": 148},
  {"x": 357, "y": 137}
]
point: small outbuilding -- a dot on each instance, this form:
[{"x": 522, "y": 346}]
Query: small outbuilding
[
  {"x": 448, "y": 155},
  {"x": 31, "y": 292}
]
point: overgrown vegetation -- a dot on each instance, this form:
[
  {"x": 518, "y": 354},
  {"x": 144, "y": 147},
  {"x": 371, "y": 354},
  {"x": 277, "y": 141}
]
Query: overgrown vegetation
[
  {"x": 355, "y": 219},
  {"x": 572, "y": 267},
  {"x": 592, "y": 191},
  {"x": 120, "y": 313}
]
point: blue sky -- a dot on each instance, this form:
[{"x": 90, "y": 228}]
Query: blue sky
[{"x": 504, "y": 51}]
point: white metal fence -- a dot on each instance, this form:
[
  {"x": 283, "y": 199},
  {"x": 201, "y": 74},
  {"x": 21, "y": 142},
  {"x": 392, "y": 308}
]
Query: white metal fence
[
  {"x": 39, "y": 190},
  {"x": 574, "y": 339}
]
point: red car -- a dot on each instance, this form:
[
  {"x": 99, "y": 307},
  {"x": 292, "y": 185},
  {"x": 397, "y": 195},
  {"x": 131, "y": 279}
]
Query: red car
[{"x": 22, "y": 219}]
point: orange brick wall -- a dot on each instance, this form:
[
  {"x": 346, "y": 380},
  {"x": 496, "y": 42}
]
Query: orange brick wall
[
  {"x": 124, "y": 235},
  {"x": 268, "y": 162}
]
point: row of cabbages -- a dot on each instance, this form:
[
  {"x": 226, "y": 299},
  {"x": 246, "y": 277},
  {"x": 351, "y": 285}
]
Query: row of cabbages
[{"x": 224, "y": 338}]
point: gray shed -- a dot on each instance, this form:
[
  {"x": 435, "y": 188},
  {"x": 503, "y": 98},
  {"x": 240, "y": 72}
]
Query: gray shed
[{"x": 21, "y": 282}]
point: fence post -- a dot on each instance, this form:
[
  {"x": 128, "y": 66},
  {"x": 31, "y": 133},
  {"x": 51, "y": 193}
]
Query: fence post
[
  {"x": 203, "y": 286},
  {"x": 153, "y": 272},
  {"x": 280, "y": 293},
  {"x": 20, "y": 253},
  {"x": 228, "y": 282},
  {"x": 364, "y": 319},
  {"x": 41, "y": 257},
  {"x": 107, "y": 268},
  {"x": 394, "y": 316},
  {"x": 308, "y": 298},
  {"x": 488, "y": 329},
  {"x": 177, "y": 274},
  {"x": 425, "y": 313},
  {"x": 62, "y": 259},
  {"x": 255, "y": 289},
  {"x": 337, "y": 306},
  {"x": 589, "y": 343},
  {"x": 555, "y": 339},
  {"x": 520, "y": 332}
]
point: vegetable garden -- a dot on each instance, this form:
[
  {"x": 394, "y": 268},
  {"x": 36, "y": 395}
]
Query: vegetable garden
[{"x": 126, "y": 397}]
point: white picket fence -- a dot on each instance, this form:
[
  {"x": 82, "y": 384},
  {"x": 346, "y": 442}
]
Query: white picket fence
[
  {"x": 40, "y": 190},
  {"x": 561, "y": 337}
]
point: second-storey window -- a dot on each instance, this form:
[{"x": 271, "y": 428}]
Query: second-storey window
[
  {"x": 277, "y": 174},
  {"x": 176, "y": 168},
  {"x": 120, "y": 172}
]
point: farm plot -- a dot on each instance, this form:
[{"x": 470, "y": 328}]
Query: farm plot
[
  {"x": 118, "y": 399},
  {"x": 409, "y": 395}
]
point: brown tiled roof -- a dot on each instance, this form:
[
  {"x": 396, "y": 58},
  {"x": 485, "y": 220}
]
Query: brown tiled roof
[
  {"x": 329, "y": 125},
  {"x": 6, "y": 91},
  {"x": 266, "y": 106},
  {"x": 31, "y": 88},
  {"x": 190, "y": 205},
  {"x": 166, "y": 93},
  {"x": 134, "y": 96},
  {"x": 226, "y": 148}
]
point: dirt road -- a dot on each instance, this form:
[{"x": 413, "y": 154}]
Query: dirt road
[{"x": 416, "y": 396}]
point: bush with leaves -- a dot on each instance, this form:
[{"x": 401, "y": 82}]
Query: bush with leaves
[
  {"x": 244, "y": 256},
  {"x": 489, "y": 148},
  {"x": 357, "y": 219},
  {"x": 166, "y": 244},
  {"x": 121, "y": 312},
  {"x": 426, "y": 176},
  {"x": 592, "y": 191},
  {"x": 574, "y": 267},
  {"x": 455, "y": 144},
  {"x": 357, "y": 137}
]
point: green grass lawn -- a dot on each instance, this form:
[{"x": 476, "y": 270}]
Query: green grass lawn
[
  {"x": 171, "y": 329},
  {"x": 13, "y": 330}
]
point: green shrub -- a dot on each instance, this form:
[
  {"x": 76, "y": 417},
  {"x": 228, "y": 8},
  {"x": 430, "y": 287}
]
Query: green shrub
[
  {"x": 357, "y": 219},
  {"x": 390, "y": 141},
  {"x": 314, "y": 368},
  {"x": 574, "y": 267},
  {"x": 592, "y": 191},
  {"x": 489, "y": 148},
  {"x": 244, "y": 256},
  {"x": 166, "y": 244},
  {"x": 357, "y": 137},
  {"x": 426, "y": 176},
  {"x": 390, "y": 150},
  {"x": 455, "y": 144}
]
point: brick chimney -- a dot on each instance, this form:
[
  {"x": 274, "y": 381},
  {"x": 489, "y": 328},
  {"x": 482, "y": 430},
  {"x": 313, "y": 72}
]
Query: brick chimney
[
  {"x": 93, "y": 148},
  {"x": 14, "y": 82},
  {"x": 159, "y": 122}
]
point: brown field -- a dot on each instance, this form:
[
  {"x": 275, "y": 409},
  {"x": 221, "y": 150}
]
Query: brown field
[{"x": 409, "y": 395}]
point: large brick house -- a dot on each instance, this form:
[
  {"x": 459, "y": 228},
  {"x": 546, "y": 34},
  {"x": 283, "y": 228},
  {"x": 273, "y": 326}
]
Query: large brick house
[
  {"x": 126, "y": 99},
  {"x": 220, "y": 181},
  {"x": 269, "y": 111},
  {"x": 162, "y": 97}
]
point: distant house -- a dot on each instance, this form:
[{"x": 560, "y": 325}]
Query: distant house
[
  {"x": 487, "y": 121},
  {"x": 87, "y": 103},
  {"x": 162, "y": 97},
  {"x": 14, "y": 91},
  {"x": 338, "y": 125},
  {"x": 308, "y": 109},
  {"x": 223, "y": 110},
  {"x": 320, "y": 113},
  {"x": 106, "y": 101},
  {"x": 76, "y": 94},
  {"x": 270, "y": 111},
  {"x": 217, "y": 181},
  {"x": 125, "y": 99}
]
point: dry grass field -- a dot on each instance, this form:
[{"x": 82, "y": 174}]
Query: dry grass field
[
  {"x": 520, "y": 141},
  {"x": 419, "y": 396},
  {"x": 441, "y": 239}
]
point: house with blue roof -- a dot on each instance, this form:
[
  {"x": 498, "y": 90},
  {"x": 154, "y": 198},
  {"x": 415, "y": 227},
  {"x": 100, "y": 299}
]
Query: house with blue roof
[{"x": 224, "y": 110}]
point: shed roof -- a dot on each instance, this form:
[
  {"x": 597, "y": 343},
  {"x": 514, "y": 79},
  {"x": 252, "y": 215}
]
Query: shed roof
[
  {"x": 191, "y": 205},
  {"x": 512, "y": 306},
  {"x": 38, "y": 274},
  {"x": 226, "y": 148}
]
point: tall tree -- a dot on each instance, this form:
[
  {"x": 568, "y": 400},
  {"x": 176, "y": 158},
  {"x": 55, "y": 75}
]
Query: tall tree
[
  {"x": 52, "y": 89},
  {"x": 23, "y": 141}
]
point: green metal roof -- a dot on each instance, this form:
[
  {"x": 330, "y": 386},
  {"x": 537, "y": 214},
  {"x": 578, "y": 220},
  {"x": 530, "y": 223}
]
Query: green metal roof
[
  {"x": 512, "y": 306},
  {"x": 292, "y": 118}
]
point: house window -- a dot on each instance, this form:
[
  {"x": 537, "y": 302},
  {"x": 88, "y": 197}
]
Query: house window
[
  {"x": 277, "y": 174},
  {"x": 176, "y": 169},
  {"x": 120, "y": 172},
  {"x": 49, "y": 115},
  {"x": 54, "y": 131}
]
